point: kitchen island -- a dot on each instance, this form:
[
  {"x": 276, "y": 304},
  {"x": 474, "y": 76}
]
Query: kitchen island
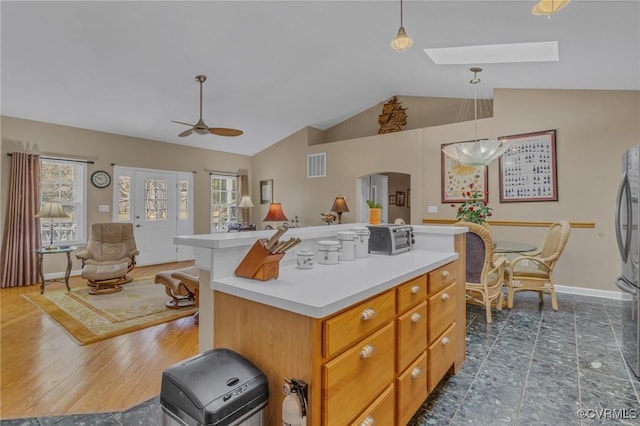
[{"x": 371, "y": 337}]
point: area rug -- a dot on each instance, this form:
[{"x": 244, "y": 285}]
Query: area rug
[{"x": 89, "y": 318}]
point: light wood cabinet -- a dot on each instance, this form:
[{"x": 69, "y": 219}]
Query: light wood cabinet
[
  {"x": 412, "y": 389},
  {"x": 374, "y": 362}
]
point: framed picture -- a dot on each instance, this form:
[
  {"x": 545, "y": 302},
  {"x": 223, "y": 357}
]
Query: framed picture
[
  {"x": 528, "y": 168},
  {"x": 456, "y": 179},
  {"x": 266, "y": 191},
  {"x": 392, "y": 200},
  {"x": 400, "y": 198},
  {"x": 409, "y": 197}
]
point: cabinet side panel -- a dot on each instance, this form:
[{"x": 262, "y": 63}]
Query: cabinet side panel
[
  {"x": 460, "y": 244},
  {"x": 278, "y": 342}
]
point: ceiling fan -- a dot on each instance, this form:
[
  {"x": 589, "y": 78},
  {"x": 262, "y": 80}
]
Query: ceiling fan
[{"x": 200, "y": 127}]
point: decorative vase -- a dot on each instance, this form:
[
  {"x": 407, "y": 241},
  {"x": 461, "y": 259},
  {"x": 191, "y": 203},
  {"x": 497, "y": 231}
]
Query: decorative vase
[{"x": 374, "y": 216}]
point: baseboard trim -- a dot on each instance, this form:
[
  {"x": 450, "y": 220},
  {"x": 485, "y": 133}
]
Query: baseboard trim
[
  {"x": 581, "y": 291},
  {"x": 59, "y": 275}
]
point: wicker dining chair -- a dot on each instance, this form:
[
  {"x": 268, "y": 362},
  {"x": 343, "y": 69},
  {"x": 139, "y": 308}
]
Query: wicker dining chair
[
  {"x": 534, "y": 271},
  {"x": 484, "y": 271}
]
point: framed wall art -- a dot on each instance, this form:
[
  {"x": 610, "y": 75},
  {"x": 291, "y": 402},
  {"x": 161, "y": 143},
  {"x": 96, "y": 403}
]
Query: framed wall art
[
  {"x": 400, "y": 198},
  {"x": 392, "y": 200},
  {"x": 456, "y": 178},
  {"x": 528, "y": 168},
  {"x": 266, "y": 191}
]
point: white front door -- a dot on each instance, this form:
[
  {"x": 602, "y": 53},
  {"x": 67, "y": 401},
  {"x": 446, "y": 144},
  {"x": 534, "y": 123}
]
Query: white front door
[
  {"x": 159, "y": 203},
  {"x": 154, "y": 217}
]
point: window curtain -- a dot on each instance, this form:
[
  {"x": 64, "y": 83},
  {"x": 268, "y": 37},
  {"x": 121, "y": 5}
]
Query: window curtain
[
  {"x": 243, "y": 189},
  {"x": 21, "y": 229}
]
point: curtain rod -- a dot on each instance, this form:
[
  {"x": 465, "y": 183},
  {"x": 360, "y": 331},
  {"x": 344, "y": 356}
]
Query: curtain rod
[
  {"x": 213, "y": 172},
  {"x": 10, "y": 154}
]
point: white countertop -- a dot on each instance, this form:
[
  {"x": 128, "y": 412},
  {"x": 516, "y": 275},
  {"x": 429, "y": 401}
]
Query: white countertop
[
  {"x": 237, "y": 239},
  {"x": 326, "y": 289}
]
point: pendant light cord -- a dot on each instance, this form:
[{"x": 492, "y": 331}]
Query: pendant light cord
[{"x": 401, "y": 25}]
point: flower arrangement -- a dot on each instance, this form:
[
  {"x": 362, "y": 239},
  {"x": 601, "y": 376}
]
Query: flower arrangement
[
  {"x": 328, "y": 218},
  {"x": 474, "y": 209}
]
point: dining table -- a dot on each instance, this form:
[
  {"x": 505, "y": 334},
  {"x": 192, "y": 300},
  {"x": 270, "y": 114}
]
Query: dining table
[{"x": 503, "y": 246}]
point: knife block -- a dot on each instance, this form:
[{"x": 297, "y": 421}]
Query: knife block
[{"x": 259, "y": 263}]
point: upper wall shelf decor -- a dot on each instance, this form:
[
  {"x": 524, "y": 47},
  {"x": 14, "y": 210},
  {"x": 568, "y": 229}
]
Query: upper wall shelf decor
[
  {"x": 393, "y": 117},
  {"x": 528, "y": 168}
]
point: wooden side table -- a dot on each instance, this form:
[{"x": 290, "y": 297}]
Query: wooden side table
[{"x": 41, "y": 252}]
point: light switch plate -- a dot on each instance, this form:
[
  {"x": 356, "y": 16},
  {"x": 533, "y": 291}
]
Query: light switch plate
[
  {"x": 103, "y": 208},
  {"x": 432, "y": 209}
]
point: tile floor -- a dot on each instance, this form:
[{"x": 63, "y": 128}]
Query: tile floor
[{"x": 531, "y": 366}]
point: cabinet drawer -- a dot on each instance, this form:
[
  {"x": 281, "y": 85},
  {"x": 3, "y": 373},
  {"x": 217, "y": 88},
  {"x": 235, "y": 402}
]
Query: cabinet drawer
[
  {"x": 442, "y": 355},
  {"x": 441, "y": 311},
  {"x": 357, "y": 322},
  {"x": 353, "y": 379},
  {"x": 381, "y": 412},
  {"x": 412, "y": 335},
  {"x": 411, "y": 293},
  {"x": 442, "y": 277},
  {"x": 412, "y": 389}
]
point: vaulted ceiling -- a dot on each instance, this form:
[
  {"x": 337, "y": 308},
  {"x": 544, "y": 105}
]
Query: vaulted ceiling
[{"x": 274, "y": 67}]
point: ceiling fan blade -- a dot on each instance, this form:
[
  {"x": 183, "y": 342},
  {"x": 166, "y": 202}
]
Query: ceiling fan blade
[
  {"x": 182, "y": 122},
  {"x": 186, "y": 133},
  {"x": 222, "y": 131}
]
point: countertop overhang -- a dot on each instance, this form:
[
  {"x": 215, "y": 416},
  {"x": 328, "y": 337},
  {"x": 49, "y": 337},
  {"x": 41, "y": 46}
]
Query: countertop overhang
[{"x": 326, "y": 289}]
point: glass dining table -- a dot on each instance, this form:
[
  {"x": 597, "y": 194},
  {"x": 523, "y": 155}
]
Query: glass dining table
[{"x": 502, "y": 246}]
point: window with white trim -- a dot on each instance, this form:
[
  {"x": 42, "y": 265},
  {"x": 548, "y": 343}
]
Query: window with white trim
[
  {"x": 64, "y": 181},
  {"x": 224, "y": 202}
]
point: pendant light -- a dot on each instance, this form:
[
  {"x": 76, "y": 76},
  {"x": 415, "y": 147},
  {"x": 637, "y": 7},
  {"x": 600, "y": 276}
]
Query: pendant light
[
  {"x": 549, "y": 7},
  {"x": 402, "y": 41},
  {"x": 477, "y": 152}
]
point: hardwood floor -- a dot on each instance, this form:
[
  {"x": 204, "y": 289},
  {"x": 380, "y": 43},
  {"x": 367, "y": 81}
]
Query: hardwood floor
[{"x": 45, "y": 373}]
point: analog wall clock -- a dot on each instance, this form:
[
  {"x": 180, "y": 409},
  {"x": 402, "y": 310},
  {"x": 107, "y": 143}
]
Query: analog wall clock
[{"x": 100, "y": 179}]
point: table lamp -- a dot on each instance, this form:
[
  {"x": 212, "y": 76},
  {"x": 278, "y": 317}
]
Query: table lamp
[
  {"x": 275, "y": 213},
  {"x": 245, "y": 203},
  {"x": 52, "y": 210},
  {"x": 339, "y": 206}
]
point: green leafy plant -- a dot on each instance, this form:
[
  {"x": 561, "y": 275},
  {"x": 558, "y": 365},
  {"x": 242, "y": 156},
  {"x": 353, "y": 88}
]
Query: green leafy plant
[
  {"x": 474, "y": 209},
  {"x": 373, "y": 205}
]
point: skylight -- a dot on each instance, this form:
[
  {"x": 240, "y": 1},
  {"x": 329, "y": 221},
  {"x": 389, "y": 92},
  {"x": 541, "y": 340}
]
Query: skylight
[{"x": 546, "y": 51}]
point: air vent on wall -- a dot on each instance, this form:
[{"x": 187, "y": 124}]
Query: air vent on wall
[{"x": 317, "y": 165}]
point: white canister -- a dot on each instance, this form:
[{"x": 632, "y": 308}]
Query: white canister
[
  {"x": 305, "y": 258},
  {"x": 362, "y": 241},
  {"x": 328, "y": 252},
  {"x": 347, "y": 245}
]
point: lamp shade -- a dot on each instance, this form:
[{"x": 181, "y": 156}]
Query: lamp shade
[
  {"x": 548, "y": 7},
  {"x": 402, "y": 41},
  {"x": 339, "y": 205},
  {"x": 476, "y": 153},
  {"x": 245, "y": 201},
  {"x": 275, "y": 213},
  {"x": 52, "y": 209}
]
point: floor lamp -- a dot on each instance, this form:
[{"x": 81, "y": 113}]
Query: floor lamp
[{"x": 52, "y": 210}]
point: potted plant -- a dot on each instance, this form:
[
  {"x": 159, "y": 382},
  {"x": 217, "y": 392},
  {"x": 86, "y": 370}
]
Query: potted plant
[
  {"x": 474, "y": 209},
  {"x": 375, "y": 211}
]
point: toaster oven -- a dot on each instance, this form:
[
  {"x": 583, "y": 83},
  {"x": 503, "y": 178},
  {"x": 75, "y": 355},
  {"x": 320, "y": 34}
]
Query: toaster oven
[{"x": 390, "y": 239}]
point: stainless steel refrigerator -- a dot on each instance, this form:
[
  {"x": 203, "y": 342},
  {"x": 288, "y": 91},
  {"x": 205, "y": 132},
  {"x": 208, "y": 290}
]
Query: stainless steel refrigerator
[{"x": 627, "y": 220}]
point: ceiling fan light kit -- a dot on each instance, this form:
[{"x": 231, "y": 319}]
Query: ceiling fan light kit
[{"x": 200, "y": 127}]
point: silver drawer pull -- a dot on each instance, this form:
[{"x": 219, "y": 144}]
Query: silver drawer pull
[
  {"x": 367, "y": 351},
  {"x": 415, "y": 317},
  {"x": 445, "y": 296},
  {"x": 367, "y": 314},
  {"x": 415, "y": 289},
  {"x": 445, "y": 274},
  {"x": 368, "y": 421},
  {"x": 415, "y": 373},
  {"x": 445, "y": 341}
]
